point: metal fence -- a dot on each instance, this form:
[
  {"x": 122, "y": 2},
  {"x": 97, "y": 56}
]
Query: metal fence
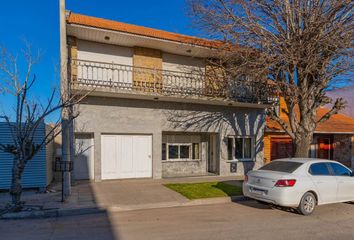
[{"x": 164, "y": 82}]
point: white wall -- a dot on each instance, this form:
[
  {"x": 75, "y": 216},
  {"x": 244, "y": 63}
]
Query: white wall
[
  {"x": 105, "y": 53},
  {"x": 173, "y": 62},
  {"x": 193, "y": 69}
]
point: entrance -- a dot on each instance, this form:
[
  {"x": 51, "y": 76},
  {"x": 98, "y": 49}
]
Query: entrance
[{"x": 213, "y": 156}]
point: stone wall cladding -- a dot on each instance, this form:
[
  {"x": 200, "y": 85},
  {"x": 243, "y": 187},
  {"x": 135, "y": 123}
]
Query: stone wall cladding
[
  {"x": 183, "y": 168},
  {"x": 342, "y": 149}
]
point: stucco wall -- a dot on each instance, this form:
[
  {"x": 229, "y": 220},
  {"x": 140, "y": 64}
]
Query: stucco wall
[
  {"x": 113, "y": 115},
  {"x": 173, "y": 62}
]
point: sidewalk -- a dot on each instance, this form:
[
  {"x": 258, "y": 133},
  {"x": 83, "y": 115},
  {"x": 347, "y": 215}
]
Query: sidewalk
[{"x": 115, "y": 195}]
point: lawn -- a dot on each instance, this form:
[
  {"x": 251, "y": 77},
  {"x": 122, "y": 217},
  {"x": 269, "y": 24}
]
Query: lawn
[{"x": 205, "y": 189}]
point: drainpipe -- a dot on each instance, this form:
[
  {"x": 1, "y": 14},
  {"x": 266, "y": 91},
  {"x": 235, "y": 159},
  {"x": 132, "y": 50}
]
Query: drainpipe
[{"x": 64, "y": 90}]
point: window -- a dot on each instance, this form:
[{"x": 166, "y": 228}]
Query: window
[
  {"x": 184, "y": 151},
  {"x": 240, "y": 148},
  {"x": 229, "y": 148},
  {"x": 173, "y": 151},
  {"x": 281, "y": 166},
  {"x": 180, "y": 151},
  {"x": 195, "y": 154},
  {"x": 319, "y": 169},
  {"x": 339, "y": 170}
]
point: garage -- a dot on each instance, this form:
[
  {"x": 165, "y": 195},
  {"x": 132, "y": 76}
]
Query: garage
[
  {"x": 126, "y": 156},
  {"x": 281, "y": 148}
]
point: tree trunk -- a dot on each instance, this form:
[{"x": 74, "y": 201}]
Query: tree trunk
[
  {"x": 302, "y": 145},
  {"x": 16, "y": 186}
]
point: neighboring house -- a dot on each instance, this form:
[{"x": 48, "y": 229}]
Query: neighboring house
[
  {"x": 153, "y": 110},
  {"x": 347, "y": 93},
  {"x": 332, "y": 139},
  {"x": 38, "y": 172}
]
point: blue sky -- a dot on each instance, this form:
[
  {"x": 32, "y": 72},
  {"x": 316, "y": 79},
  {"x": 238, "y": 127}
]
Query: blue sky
[{"x": 37, "y": 22}]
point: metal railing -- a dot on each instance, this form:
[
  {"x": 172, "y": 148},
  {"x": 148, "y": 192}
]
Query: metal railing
[{"x": 126, "y": 78}]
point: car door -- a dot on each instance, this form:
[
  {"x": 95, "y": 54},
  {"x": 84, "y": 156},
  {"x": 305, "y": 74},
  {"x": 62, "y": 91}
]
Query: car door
[
  {"x": 345, "y": 181},
  {"x": 324, "y": 181}
]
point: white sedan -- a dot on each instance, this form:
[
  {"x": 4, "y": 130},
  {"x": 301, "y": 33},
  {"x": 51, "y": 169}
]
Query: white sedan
[{"x": 300, "y": 183}]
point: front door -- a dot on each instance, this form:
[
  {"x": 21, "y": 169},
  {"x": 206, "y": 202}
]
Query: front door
[
  {"x": 345, "y": 182},
  {"x": 324, "y": 148},
  {"x": 83, "y": 162},
  {"x": 212, "y": 158},
  {"x": 324, "y": 181}
]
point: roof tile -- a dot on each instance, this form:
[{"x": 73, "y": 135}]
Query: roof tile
[
  {"x": 101, "y": 23},
  {"x": 338, "y": 123}
]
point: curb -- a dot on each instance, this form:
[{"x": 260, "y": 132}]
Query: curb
[
  {"x": 197, "y": 202},
  {"x": 52, "y": 213},
  {"x": 93, "y": 210}
]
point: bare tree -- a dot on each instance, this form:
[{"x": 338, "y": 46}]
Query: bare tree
[
  {"x": 303, "y": 46},
  {"x": 28, "y": 116}
]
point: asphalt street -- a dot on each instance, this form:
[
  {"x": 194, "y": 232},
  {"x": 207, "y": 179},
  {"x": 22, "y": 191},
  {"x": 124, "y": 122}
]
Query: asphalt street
[{"x": 240, "y": 220}]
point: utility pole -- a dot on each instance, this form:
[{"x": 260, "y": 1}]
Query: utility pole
[{"x": 65, "y": 94}]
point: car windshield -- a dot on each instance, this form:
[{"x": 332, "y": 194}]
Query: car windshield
[{"x": 281, "y": 166}]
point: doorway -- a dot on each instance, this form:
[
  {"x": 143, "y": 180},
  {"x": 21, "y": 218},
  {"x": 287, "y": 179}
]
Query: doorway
[{"x": 213, "y": 166}]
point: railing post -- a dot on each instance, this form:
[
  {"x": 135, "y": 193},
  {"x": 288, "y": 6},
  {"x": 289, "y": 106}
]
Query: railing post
[{"x": 154, "y": 79}]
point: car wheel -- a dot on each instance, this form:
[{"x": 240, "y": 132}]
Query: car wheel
[{"x": 307, "y": 204}]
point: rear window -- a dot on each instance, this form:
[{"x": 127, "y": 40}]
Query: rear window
[{"x": 281, "y": 166}]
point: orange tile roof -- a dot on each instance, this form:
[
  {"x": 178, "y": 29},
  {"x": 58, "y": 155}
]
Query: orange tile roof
[
  {"x": 101, "y": 23},
  {"x": 338, "y": 123}
]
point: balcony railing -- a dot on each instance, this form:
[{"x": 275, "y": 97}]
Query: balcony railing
[{"x": 141, "y": 80}]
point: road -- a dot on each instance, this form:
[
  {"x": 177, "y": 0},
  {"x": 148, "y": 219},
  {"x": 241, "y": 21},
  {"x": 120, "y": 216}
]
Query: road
[{"x": 241, "y": 220}]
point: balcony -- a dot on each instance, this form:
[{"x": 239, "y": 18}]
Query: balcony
[{"x": 139, "y": 81}]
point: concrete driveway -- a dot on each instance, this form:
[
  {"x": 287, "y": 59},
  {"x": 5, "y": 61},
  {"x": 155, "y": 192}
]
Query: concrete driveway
[
  {"x": 241, "y": 220},
  {"x": 134, "y": 194}
]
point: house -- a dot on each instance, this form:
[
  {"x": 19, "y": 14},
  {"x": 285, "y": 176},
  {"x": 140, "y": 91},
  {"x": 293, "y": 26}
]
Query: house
[
  {"x": 332, "y": 139},
  {"x": 38, "y": 172},
  {"x": 153, "y": 110}
]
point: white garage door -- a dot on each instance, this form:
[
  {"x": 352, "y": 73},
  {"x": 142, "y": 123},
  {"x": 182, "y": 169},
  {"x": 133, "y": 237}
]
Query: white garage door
[{"x": 126, "y": 156}]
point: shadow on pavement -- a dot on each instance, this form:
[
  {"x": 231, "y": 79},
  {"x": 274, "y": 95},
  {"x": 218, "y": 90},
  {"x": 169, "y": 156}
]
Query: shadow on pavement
[{"x": 262, "y": 205}]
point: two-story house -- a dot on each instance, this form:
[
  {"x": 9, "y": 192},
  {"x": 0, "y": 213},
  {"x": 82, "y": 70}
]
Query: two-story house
[{"x": 153, "y": 109}]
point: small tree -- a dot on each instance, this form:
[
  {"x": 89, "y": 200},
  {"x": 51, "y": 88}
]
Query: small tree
[
  {"x": 303, "y": 46},
  {"x": 28, "y": 115}
]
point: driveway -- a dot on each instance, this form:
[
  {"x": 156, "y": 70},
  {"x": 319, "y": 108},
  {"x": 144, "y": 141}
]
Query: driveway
[
  {"x": 134, "y": 194},
  {"x": 241, "y": 220}
]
